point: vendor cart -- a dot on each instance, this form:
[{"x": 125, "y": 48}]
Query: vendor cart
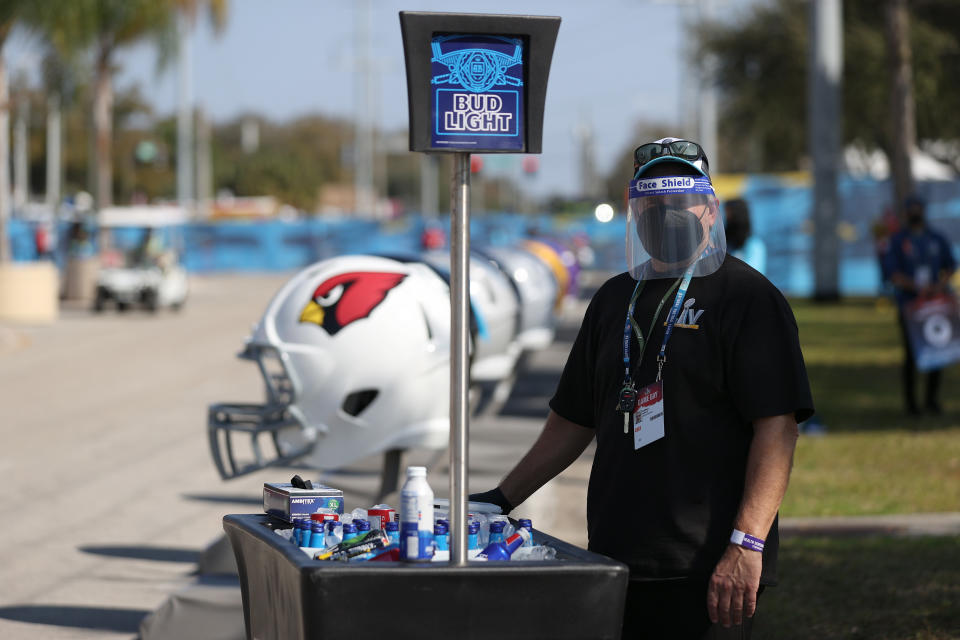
[{"x": 289, "y": 596}]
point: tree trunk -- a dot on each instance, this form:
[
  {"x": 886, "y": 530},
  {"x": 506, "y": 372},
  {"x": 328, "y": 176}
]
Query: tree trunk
[
  {"x": 5, "y": 252},
  {"x": 103, "y": 129},
  {"x": 903, "y": 120}
]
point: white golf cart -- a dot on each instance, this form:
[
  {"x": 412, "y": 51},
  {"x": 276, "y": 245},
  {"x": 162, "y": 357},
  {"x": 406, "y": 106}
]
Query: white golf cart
[{"x": 149, "y": 273}]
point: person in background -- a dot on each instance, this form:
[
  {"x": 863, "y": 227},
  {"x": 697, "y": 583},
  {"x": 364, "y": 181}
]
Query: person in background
[
  {"x": 79, "y": 241},
  {"x": 694, "y": 433},
  {"x": 150, "y": 250},
  {"x": 44, "y": 240},
  {"x": 920, "y": 263},
  {"x": 741, "y": 242},
  {"x": 883, "y": 229}
]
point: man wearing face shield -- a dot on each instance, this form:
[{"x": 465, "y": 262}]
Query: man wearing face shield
[{"x": 687, "y": 372}]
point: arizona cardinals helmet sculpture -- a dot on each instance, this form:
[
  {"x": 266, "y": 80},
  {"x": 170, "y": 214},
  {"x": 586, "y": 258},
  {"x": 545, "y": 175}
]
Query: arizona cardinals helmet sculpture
[
  {"x": 352, "y": 351},
  {"x": 496, "y": 308},
  {"x": 537, "y": 287}
]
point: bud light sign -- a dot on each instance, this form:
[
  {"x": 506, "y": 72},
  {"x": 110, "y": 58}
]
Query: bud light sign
[{"x": 477, "y": 92}]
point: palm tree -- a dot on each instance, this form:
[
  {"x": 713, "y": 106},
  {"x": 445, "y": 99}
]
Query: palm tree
[
  {"x": 105, "y": 26},
  {"x": 11, "y": 13}
]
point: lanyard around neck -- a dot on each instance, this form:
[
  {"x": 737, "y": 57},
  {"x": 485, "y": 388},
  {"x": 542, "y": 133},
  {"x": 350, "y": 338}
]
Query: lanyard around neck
[{"x": 683, "y": 283}]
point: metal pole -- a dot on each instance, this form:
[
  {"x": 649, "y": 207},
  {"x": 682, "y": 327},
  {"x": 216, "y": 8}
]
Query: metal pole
[
  {"x": 428, "y": 186},
  {"x": 707, "y": 124},
  {"x": 54, "y": 133},
  {"x": 459, "y": 354},
  {"x": 185, "y": 191},
  {"x": 363, "y": 143},
  {"x": 825, "y": 78},
  {"x": 21, "y": 186}
]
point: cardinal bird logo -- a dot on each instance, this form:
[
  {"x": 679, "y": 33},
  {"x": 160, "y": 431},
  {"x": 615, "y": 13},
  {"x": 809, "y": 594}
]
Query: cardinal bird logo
[{"x": 348, "y": 297}]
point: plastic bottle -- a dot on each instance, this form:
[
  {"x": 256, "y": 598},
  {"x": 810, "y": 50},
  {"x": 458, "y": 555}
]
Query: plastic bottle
[
  {"x": 527, "y": 524},
  {"x": 349, "y": 532},
  {"x": 441, "y": 537},
  {"x": 496, "y": 531},
  {"x": 393, "y": 532},
  {"x": 473, "y": 540},
  {"x": 498, "y": 551},
  {"x": 299, "y": 531},
  {"x": 416, "y": 517},
  {"x": 362, "y": 526},
  {"x": 316, "y": 534},
  {"x": 333, "y": 538},
  {"x": 441, "y": 541}
]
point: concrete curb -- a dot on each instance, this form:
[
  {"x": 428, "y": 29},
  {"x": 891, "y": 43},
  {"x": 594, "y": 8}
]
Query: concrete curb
[{"x": 907, "y": 524}]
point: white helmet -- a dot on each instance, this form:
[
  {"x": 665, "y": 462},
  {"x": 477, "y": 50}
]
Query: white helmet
[
  {"x": 353, "y": 350},
  {"x": 496, "y": 310},
  {"x": 537, "y": 287}
]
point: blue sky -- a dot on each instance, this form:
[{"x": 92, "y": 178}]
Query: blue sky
[{"x": 615, "y": 62}]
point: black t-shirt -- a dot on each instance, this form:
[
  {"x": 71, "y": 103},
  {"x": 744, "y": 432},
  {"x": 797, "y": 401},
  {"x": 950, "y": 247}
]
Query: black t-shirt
[{"x": 667, "y": 509}]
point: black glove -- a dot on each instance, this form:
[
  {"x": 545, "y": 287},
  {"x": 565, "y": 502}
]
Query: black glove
[{"x": 494, "y": 496}]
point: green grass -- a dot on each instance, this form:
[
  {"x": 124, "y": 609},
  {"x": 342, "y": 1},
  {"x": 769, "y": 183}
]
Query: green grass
[
  {"x": 873, "y": 459},
  {"x": 864, "y": 588},
  {"x": 875, "y": 473},
  {"x": 853, "y": 355}
]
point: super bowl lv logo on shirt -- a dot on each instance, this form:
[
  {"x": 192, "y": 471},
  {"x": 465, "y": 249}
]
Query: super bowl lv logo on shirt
[
  {"x": 689, "y": 317},
  {"x": 477, "y": 92}
]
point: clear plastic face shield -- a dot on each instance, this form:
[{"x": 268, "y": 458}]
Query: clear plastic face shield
[{"x": 673, "y": 224}]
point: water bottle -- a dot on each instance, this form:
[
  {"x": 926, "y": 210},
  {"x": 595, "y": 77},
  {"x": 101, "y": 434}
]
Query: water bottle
[
  {"x": 473, "y": 540},
  {"x": 527, "y": 524},
  {"x": 416, "y": 517},
  {"x": 362, "y": 526},
  {"x": 393, "y": 532},
  {"x": 349, "y": 532},
  {"x": 496, "y": 531},
  {"x": 300, "y": 531},
  {"x": 441, "y": 538},
  {"x": 333, "y": 538},
  {"x": 441, "y": 542},
  {"x": 499, "y": 551},
  {"x": 316, "y": 534}
]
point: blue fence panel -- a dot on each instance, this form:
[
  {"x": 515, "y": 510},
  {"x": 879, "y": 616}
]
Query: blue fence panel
[{"x": 780, "y": 213}]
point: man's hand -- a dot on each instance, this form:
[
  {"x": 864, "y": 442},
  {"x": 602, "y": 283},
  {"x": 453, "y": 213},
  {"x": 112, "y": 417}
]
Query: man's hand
[
  {"x": 494, "y": 496},
  {"x": 732, "y": 592}
]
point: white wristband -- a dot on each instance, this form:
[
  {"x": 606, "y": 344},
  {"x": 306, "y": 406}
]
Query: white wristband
[{"x": 746, "y": 540}]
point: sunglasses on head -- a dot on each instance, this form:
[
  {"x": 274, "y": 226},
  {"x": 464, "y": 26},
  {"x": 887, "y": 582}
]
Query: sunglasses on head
[{"x": 684, "y": 149}]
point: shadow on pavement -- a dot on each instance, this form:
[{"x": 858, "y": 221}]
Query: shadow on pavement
[
  {"x": 98, "y": 618},
  {"x": 531, "y": 393},
  {"x": 159, "y": 554}
]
